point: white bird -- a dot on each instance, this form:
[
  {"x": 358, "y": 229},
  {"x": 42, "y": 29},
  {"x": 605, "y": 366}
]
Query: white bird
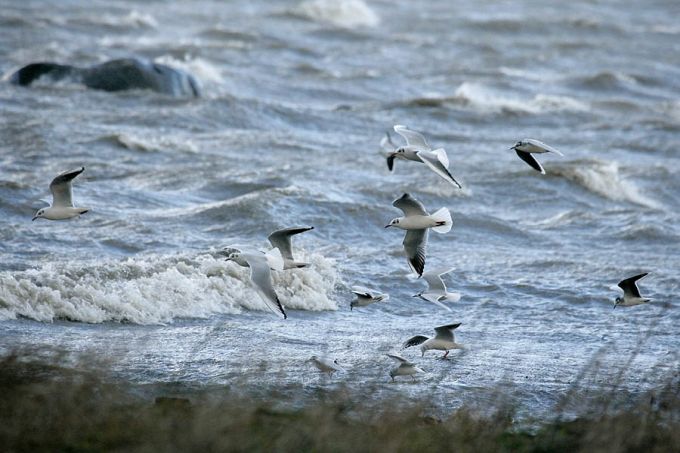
[
  {"x": 631, "y": 293},
  {"x": 405, "y": 368},
  {"x": 62, "y": 198},
  {"x": 525, "y": 148},
  {"x": 260, "y": 275},
  {"x": 436, "y": 289},
  {"x": 326, "y": 365},
  {"x": 281, "y": 239},
  {"x": 417, "y": 222},
  {"x": 366, "y": 296},
  {"x": 273, "y": 256},
  {"x": 418, "y": 150},
  {"x": 442, "y": 341}
]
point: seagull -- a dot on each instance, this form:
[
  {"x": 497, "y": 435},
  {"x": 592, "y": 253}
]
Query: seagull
[
  {"x": 273, "y": 257},
  {"x": 442, "y": 341},
  {"x": 326, "y": 365},
  {"x": 405, "y": 368},
  {"x": 280, "y": 239},
  {"x": 436, "y": 289},
  {"x": 631, "y": 293},
  {"x": 418, "y": 150},
  {"x": 416, "y": 222},
  {"x": 260, "y": 275},
  {"x": 62, "y": 198},
  {"x": 525, "y": 148},
  {"x": 366, "y": 296}
]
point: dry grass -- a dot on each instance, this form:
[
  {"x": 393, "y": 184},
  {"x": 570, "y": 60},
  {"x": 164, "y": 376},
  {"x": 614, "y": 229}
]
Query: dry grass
[{"x": 47, "y": 407}]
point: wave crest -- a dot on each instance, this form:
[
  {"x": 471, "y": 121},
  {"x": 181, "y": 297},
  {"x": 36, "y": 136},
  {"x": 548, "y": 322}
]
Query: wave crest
[
  {"x": 341, "y": 13},
  {"x": 156, "y": 290}
]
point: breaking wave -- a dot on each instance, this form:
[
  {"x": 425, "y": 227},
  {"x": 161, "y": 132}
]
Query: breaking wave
[
  {"x": 155, "y": 290},
  {"x": 341, "y": 13},
  {"x": 602, "y": 178}
]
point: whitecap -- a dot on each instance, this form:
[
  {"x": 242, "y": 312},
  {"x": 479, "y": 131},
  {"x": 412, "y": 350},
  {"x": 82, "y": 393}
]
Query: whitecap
[
  {"x": 154, "y": 290},
  {"x": 341, "y": 13},
  {"x": 602, "y": 178}
]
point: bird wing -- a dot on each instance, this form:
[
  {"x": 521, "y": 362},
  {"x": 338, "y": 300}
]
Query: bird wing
[
  {"x": 434, "y": 279},
  {"x": 414, "y": 341},
  {"x": 434, "y": 298},
  {"x": 61, "y": 188},
  {"x": 412, "y": 138},
  {"x": 362, "y": 291},
  {"x": 399, "y": 358},
  {"x": 629, "y": 285},
  {"x": 261, "y": 276},
  {"x": 438, "y": 163},
  {"x": 386, "y": 142},
  {"x": 540, "y": 144},
  {"x": 415, "y": 246},
  {"x": 446, "y": 332},
  {"x": 409, "y": 205},
  {"x": 281, "y": 240},
  {"x": 531, "y": 160}
]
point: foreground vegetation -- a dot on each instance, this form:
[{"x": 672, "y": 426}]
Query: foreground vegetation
[{"x": 45, "y": 407}]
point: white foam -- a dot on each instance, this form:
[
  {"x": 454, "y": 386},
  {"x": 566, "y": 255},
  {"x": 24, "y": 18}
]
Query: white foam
[
  {"x": 154, "y": 143},
  {"x": 198, "y": 67},
  {"x": 602, "y": 178},
  {"x": 488, "y": 100},
  {"x": 341, "y": 13},
  {"x": 155, "y": 290}
]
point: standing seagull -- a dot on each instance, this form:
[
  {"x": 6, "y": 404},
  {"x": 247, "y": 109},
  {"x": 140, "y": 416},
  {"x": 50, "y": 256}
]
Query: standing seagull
[
  {"x": 280, "y": 239},
  {"x": 405, "y": 368},
  {"x": 631, "y": 293},
  {"x": 525, "y": 148},
  {"x": 442, "y": 341},
  {"x": 366, "y": 296},
  {"x": 436, "y": 289},
  {"x": 62, "y": 198},
  {"x": 418, "y": 150},
  {"x": 416, "y": 222},
  {"x": 260, "y": 275},
  {"x": 326, "y": 365}
]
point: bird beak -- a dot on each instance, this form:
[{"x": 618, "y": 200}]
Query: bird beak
[
  {"x": 387, "y": 226},
  {"x": 416, "y": 295},
  {"x": 34, "y": 218}
]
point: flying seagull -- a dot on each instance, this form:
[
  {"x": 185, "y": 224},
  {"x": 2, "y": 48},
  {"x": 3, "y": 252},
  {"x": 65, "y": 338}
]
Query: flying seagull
[
  {"x": 442, "y": 341},
  {"x": 436, "y": 289},
  {"x": 405, "y": 368},
  {"x": 366, "y": 296},
  {"x": 525, "y": 148},
  {"x": 260, "y": 276},
  {"x": 418, "y": 150},
  {"x": 417, "y": 222},
  {"x": 62, "y": 198},
  {"x": 281, "y": 239},
  {"x": 631, "y": 293}
]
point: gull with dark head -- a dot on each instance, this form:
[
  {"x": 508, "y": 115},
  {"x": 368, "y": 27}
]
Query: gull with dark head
[
  {"x": 62, "y": 198},
  {"x": 366, "y": 296},
  {"x": 443, "y": 340},
  {"x": 417, "y": 221},
  {"x": 525, "y": 148},
  {"x": 260, "y": 274},
  {"x": 281, "y": 239},
  {"x": 326, "y": 365},
  {"x": 418, "y": 150},
  {"x": 436, "y": 289},
  {"x": 405, "y": 368},
  {"x": 631, "y": 293}
]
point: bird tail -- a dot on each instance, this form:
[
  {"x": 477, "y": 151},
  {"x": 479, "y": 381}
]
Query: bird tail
[{"x": 443, "y": 219}]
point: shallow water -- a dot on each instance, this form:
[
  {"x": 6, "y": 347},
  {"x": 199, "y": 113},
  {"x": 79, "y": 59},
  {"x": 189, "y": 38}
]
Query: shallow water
[{"x": 297, "y": 97}]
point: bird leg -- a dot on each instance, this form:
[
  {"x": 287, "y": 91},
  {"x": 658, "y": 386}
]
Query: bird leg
[{"x": 446, "y": 354}]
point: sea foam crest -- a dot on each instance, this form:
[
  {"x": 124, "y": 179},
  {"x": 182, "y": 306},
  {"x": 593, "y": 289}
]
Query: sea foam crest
[
  {"x": 341, "y": 13},
  {"x": 602, "y": 178},
  {"x": 153, "y": 290},
  {"x": 485, "y": 99}
]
